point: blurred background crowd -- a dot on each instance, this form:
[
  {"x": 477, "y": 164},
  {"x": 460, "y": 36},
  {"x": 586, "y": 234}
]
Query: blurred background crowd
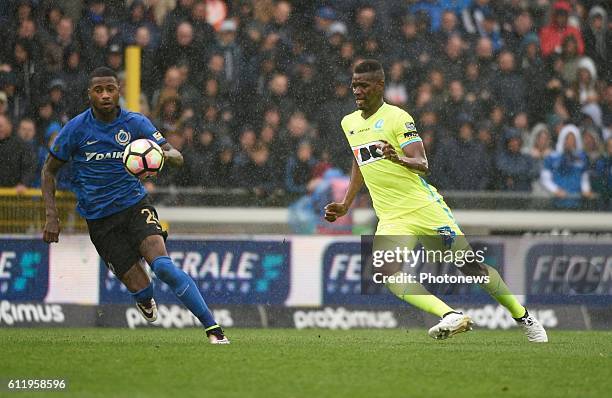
[{"x": 511, "y": 95}]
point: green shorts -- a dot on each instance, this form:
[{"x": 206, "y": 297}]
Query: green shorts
[{"x": 434, "y": 226}]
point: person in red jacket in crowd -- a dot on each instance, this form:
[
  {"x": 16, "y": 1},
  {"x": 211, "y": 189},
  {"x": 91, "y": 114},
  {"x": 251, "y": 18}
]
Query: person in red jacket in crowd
[{"x": 553, "y": 34}]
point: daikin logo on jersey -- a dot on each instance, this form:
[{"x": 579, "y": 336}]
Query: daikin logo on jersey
[
  {"x": 89, "y": 156},
  {"x": 229, "y": 272}
]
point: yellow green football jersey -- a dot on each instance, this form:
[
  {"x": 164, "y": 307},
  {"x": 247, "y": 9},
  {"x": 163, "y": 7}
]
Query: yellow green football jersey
[{"x": 396, "y": 191}]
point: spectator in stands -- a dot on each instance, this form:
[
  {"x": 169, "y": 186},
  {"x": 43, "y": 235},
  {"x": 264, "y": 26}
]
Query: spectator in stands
[
  {"x": 396, "y": 90},
  {"x": 508, "y": 87},
  {"x": 455, "y": 107},
  {"x": 565, "y": 171},
  {"x": 168, "y": 117},
  {"x": 182, "y": 48},
  {"x": 201, "y": 157},
  {"x": 136, "y": 19},
  {"x": 223, "y": 167},
  {"x": 553, "y": 34},
  {"x": 516, "y": 170},
  {"x": 256, "y": 174},
  {"x": 593, "y": 147},
  {"x": 233, "y": 64},
  {"x": 94, "y": 54},
  {"x": 522, "y": 26},
  {"x": 306, "y": 89},
  {"x": 17, "y": 103},
  {"x": 18, "y": 156},
  {"x": 539, "y": 144},
  {"x": 598, "y": 41},
  {"x": 203, "y": 31},
  {"x": 299, "y": 167},
  {"x": 47, "y": 123},
  {"x": 570, "y": 56},
  {"x": 28, "y": 71},
  {"x": 585, "y": 81},
  {"x": 602, "y": 177},
  {"x": 462, "y": 163},
  {"x": 64, "y": 33},
  {"x": 114, "y": 58},
  {"x": 298, "y": 129},
  {"x": 76, "y": 81},
  {"x": 94, "y": 14}
]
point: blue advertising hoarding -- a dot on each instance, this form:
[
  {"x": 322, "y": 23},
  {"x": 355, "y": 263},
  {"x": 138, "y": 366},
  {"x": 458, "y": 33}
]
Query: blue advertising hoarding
[
  {"x": 24, "y": 269},
  {"x": 569, "y": 273},
  {"x": 226, "y": 272},
  {"x": 343, "y": 284}
]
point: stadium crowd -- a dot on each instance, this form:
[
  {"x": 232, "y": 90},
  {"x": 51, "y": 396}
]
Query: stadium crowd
[{"x": 511, "y": 95}]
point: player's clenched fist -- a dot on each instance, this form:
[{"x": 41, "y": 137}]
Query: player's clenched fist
[
  {"x": 335, "y": 210},
  {"x": 388, "y": 151},
  {"x": 51, "y": 231}
]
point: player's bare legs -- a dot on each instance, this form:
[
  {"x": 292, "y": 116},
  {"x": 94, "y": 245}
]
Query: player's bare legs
[
  {"x": 138, "y": 282},
  {"x": 136, "y": 278},
  {"x": 153, "y": 249}
]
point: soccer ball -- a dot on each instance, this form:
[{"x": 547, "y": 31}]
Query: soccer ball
[{"x": 143, "y": 158}]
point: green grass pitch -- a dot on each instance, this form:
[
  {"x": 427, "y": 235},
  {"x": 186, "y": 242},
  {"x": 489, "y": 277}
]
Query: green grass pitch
[{"x": 309, "y": 363}]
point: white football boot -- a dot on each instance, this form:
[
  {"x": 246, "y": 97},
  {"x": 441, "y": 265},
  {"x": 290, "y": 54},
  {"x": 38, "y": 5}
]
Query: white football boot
[
  {"x": 533, "y": 329},
  {"x": 452, "y": 324}
]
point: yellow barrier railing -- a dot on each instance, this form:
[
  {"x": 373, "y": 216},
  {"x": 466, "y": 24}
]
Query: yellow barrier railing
[{"x": 25, "y": 212}]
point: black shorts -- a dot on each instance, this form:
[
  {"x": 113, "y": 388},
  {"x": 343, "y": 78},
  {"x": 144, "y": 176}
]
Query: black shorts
[{"x": 117, "y": 238}]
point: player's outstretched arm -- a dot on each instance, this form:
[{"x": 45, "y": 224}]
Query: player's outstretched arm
[
  {"x": 48, "y": 182},
  {"x": 172, "y": 156},
  {"x": 414, "y": 156},
  {"x": 335, "y": 209}
]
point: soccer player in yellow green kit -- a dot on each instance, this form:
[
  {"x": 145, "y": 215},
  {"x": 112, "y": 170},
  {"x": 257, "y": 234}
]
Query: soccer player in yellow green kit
[{"x": 389, "y": 157}]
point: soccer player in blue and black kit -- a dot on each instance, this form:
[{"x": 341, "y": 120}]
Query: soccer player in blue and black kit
[{"x": 122, "y": 223}]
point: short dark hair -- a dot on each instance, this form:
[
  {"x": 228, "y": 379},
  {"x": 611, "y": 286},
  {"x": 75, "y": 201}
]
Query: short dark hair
[
  {"x": 102, "y": 71},
  {"x": 370, "y": 66}
]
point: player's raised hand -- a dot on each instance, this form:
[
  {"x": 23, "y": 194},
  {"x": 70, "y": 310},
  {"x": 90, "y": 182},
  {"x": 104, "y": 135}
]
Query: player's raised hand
[
  {"x": 51, "y": 231},
  {"x": 388, "y": 151},
  {"x": 334, "y": 210}
]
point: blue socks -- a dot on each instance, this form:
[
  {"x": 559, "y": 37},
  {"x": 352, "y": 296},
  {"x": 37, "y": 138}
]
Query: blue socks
[
  {"x": 184, "y": 288},
  {"x": 143, "y": 295}
]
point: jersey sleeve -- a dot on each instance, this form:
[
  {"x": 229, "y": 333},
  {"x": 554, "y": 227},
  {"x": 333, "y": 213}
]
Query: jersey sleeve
[
  {"x": 64, "y": 145},
  {"x": 405, "y": 130},
  {"x": 147, "y": 130}
]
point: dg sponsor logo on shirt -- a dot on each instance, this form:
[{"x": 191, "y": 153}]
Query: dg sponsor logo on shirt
[
  {"x": 226, "y": 272},
  {"x": 24, "y": 269},
  {"x": 367, "y": 153}
]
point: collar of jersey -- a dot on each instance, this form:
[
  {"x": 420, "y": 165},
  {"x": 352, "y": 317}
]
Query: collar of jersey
[
  {"x": 101, "y": 123},
  {"x": 372, "y": 115}
]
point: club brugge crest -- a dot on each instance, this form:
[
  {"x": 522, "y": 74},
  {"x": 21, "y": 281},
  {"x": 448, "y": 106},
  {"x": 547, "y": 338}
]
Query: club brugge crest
[{"x": 123, "y": 137}]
